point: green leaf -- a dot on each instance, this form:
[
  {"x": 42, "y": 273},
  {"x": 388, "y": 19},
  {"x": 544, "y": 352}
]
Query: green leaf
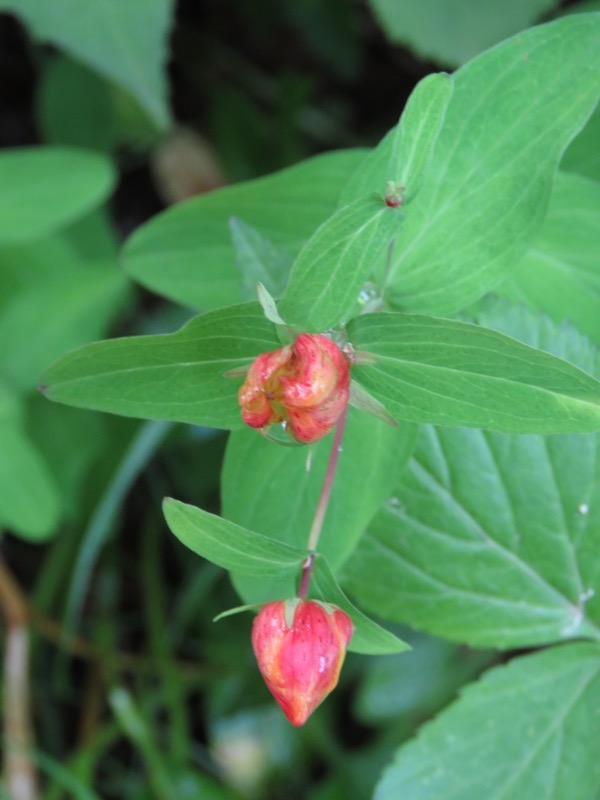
[
  {"x": 228, "y": 545},
  {"x": 526, "y": 730},
  {"x": 479, "y": 542},
  {"x": 259, "y": 260},
  {"x": 47, "y": 187},
  {"x": 75, "y": 106},
  {"x": 368, "y": 637},
  {"x": 485, "y": 196},
  {"x": 180, "y": 376},
  {"x": 488, "y": 538},
  {"x": 560, "y": 275},
  {"x": 185, "y": 253},
  {"x": 236, "y": 548},
  {"x": 70, "y": 310},
  {"x": 334, "y": 264},
  {"x": 403, "y": 156},
  {"x": 453, "y": 31},
  {"x": 583, "y": 154},
  {"x": 29, "y": 504},
  {"x": 275, "y": 490},
  {"x": 454, "y": 373},
  {"x": 125, "y": 42}
]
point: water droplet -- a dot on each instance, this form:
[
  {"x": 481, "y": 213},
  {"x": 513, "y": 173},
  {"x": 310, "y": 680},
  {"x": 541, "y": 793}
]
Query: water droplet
[{"x": 583, "y": 508}]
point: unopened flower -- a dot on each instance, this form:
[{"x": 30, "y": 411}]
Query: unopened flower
[
  {"x": 305, "y": 384},
  {"x": 300, "y": 647}
]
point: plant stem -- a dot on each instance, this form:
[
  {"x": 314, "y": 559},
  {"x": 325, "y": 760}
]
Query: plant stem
[{"x": 317, "y": 524}]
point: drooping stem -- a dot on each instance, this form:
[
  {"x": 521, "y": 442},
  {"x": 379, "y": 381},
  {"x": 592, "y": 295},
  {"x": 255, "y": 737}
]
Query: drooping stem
[{"x": 321, "y": 510}]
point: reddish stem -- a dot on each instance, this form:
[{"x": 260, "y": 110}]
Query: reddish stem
[{"x": 321, "y": 510}]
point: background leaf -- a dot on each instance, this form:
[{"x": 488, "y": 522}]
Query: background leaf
[
  {"x": 487, "y": 538},
  {"x": 75, "y": 106},
  {"x": 29, "y": 502},
  {"x": 510, "y": 118},
  {"x": 471, "y": 751},
  {"x": 453, "y": 31},
  {"x": 54, "y": 316},
  {"x": 331, "y": 268},
  {"x": 267, "y": 488},
  {"x": 560, "y": 275},
  {"x": 453, "y": 373},
  {"x": 583, "y": 154},
  {"x": 179, "y": 376},
  {"x": 48, "y": 187},
  {"x": 185, "y": 253},
  {"x": 126, "y": 42}
]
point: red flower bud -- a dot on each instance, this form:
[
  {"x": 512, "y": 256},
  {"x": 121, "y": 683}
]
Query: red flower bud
[
  {"x": 300, "y": 647},
  {"x": 305, "y": 384}
]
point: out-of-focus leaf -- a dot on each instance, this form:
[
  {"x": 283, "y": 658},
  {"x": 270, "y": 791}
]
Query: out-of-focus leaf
[
  {"x": 453, "y": 31},
  {"x": 46, "y": 188},
  {"x": 55, "y": 316},
  {"x": 29, "y": 503},
  {"x": 75, "y": 106},
  {"x": 583, "y": 154},
  {"x": 125, "y": 41}
]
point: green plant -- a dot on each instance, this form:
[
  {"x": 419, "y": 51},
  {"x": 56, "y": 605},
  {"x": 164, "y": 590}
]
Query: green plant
[{"x": 455, "y": 267}]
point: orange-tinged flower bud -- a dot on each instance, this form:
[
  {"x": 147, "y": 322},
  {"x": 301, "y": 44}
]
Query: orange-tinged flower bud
[
  {"x": 300, "y": 647},
  {"x": 305, "y": 384}
]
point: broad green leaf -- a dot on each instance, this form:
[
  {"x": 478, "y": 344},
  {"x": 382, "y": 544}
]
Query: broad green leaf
[
  {"x": 488, "y": 538},
  {"x": 368, "y": 637},
  {"x": 510, "y": 118},
  {"x": 583, "y": 154},
  {"x": 527, "y": 730},
  {"x": 560, "y": 274},
  {"x": 29, "y": 504},
  {"x": 453, "y": 31},
  {"x": 228, "y": 545},
  {"x": 404, "y": 154},
  {"x": 454, "y": 373},
  {"x": 179, "y": 376},
  {"x": 332, "y": 267},
  {"x": 54, "y": 316},
  {"x": 479, "y": 542},
  {"x": 186, "y": 254},
  {"x": 48, "y": 187},
  {"x": 259, "y": 260},
  {"x": 125, "y": 42},
  {"x": 275, "y": 490}
]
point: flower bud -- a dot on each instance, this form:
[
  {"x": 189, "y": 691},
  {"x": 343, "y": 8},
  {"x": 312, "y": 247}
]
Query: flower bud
[
  {"x": 300, "y": 647},
  {"x": 305, "y": 384}
]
